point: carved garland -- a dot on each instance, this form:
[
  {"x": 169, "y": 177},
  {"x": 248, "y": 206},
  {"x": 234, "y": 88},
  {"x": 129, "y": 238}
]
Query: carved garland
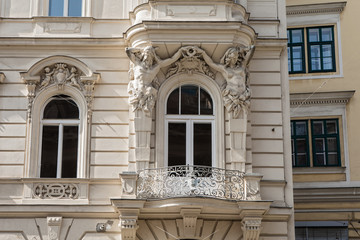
[{"x": 62, "y": 75}]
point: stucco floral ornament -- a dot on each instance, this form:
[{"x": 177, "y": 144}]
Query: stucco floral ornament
[
  {"x": 234, "y": 68},
  {"x": 143, "y": 70}
]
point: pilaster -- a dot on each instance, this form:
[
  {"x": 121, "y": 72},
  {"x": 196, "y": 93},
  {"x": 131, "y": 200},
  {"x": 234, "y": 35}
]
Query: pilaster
[
  {"x": 238, "y": 128},
  {"x": 143, "y": 124}
]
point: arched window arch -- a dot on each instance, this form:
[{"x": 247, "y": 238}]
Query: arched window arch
[
  {"x": 59, "y": 138},
  {"x": 204, "y": 113},
  {"x": 189, "y": 127}
]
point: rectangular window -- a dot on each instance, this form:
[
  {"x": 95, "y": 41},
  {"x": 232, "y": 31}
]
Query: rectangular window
[
  {"x": 323, "y": 134},
  {"x": 317, "y": 43},
  {"x": 313, "y": 233},
  {"x": 65, "y": 8}
]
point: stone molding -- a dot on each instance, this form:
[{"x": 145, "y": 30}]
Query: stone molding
[
  {"x": 336, "y": 7},
  {"x": 63, "y": 72},
  {"x": 320, "y": 98}
]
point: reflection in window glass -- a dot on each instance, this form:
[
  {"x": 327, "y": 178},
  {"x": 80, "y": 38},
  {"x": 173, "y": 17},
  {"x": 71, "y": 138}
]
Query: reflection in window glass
[
  {"x": 74, "y": 8},
  {"x": 177, "y": 144},
  {"x": 56, "y": 8},
  {"x": 190, "y": 100}
]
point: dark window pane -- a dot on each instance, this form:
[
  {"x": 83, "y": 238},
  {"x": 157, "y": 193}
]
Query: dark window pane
[
  {"x": 318, "y": 127},
  {"x": 190, "y": 100},
  {"x": 319, "y": 159},
  {"x": 327, "y": 50},
  {"x": 319, "y": 145},
  {"x": 74, "y": 8},
  {"x": 61, "y": 108},
  {"x": 301, "y": 128},
  {"x": 202, "y": 144},
  {"x": 173, "y": 102},
  {"x": 70, "y": 147},
  {"x": 297, "y": 36},
  {"x": 314, "y": 35},
  {"x": 297, "y": 52},
  {"x": 301, "y": 145},
  {"x": 326, "y": 34},
  {"x": 333, "y": 159},
  {"x": 315, "y": 64},
  {"x": 331, "y": 127},
  {"x": 49, "y": 151},
  {"x": 332, "y": 144},
  {"x": 56, "y": 8},
  {"x": 301, "y": 160},
  {"x": 206, "y": 104},
  {"x": 177, "y": 144}
]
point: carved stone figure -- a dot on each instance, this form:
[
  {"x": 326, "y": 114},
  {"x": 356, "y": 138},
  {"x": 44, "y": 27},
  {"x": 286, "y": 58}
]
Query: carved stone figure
[
  {"x": 145, "y": 67},
  {"x": 234, "y": 68}
]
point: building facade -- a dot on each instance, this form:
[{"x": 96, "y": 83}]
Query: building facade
[
  {"x": 139, "y": 119},
  {"x": 323, "y": 88}
]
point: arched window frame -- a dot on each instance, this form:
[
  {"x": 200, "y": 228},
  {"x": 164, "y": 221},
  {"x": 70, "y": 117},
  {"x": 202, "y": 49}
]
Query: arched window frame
[
  {"x": 41, "y": 100},
  {"x": 213, "y": 89},
  {"x": 60, "y": 123},
  {"x": 36, "y": 103}
]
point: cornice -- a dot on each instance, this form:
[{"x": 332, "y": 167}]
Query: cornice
[
  {"x": 320, "y": 98},
  {"x": 336, "y": 7}
]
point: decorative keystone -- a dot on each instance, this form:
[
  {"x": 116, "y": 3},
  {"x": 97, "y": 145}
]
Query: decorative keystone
[
  {"x": 128, "y": 227},
  {"x": 2, "y": 77}
]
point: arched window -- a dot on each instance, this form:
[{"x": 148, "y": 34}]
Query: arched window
[
  {"x": 190, "y": 127},
  {"x": 59, "y": 138}
]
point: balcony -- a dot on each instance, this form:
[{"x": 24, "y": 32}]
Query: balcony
[{"x": 191, "y": 181}]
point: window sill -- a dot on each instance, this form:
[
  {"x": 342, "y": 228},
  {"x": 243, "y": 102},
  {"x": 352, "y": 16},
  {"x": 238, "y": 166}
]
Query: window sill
[
  {"x": 318, "y": 170},
  {"x": 305, "y": 76}
]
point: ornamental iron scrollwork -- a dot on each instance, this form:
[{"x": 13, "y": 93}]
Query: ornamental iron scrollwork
[
  {"x": 55, "y": 191},
  {"x": 185, "y": 181}
]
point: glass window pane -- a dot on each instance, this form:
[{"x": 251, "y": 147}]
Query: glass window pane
[
  {"x": 288, "y": 35},
  {"x": 318, "y": 127},
  {"x": 333, "y": 159},
  {"x": 331, "y": 127},
  {"x": 49, "y": 151},
  {"x": 301, "y": 145},
  {"x": 315, "y": 64},
  {"x": 327, "y": 63},
  {"x": 202, "y": 144},
  {"x": 70, "y": 147},
  {"x": 189, "y": 99},
  {"x": 206, "y": 104},
  {"x": 297, "y": 52},
  {"x": 298, "y": 65},
  {"x": 173, "y": 102},
  {"x": 297, "y": 36},
  {"x": 289, "y": 65},
  {"x": 62, "y": 107},
  {"x": 74, "y": 8},
  {"x": 315, "y": 51},
  {"x": 177, "y": 144},
  {"x": 326, "y": 34},
  {"x": 327, "y": 50},
  {"x": 320, "y": 145},
  {"x": 56, "y": 8},
  {"x": 332, "y": 144},
  {"x": 314, "y": 35},
  {"x": 301, "y": 128}
]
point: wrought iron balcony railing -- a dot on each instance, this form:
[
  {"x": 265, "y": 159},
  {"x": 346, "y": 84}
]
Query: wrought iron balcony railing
[{"x": 187, "y": 181}]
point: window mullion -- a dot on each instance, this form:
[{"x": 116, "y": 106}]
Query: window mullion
[
  {"x": 60, "y": 150},
  {"x": 66, "y": 8}
]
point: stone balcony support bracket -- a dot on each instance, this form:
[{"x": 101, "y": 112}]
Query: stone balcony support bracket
[
  {"x": 54, "y": 225},
  {"x": 190, "y": 217},
  {"x": 129, "y": 184},
  {"x": 252, "y": 186},
  {"x": 251, "y": 227}
]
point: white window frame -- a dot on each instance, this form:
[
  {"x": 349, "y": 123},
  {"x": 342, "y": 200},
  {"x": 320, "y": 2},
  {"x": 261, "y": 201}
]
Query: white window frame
[
  {"x": 190, "y": 120},
  {"x": 212, "y": 88},
  {"x": 41, "y": 8},
  {"x": 60, "y": 123}
]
